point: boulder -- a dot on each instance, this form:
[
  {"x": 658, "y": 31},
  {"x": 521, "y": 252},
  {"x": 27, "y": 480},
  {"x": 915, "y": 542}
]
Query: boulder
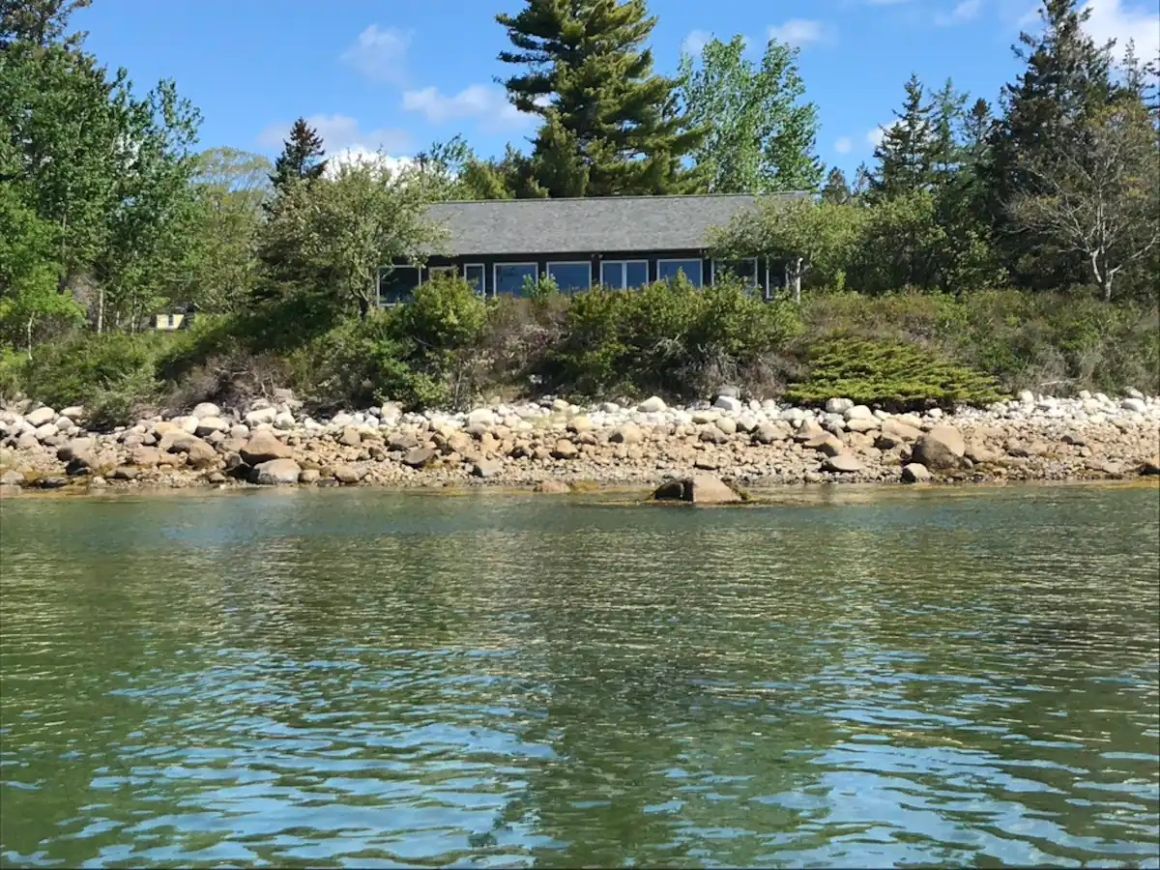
[
  {"x": 260, "y": 415},
  {"x": 858, "y": 412},
  {"x": 309, "y": 475},
  {"x": 844, "y": 463},
  {"x": 652, "y": 405},
  {"x": 200, "y": 454},
  {"x": 729, "y": 404},
  {"x": 350, "y": 437},
  {"x": 565, "y": 449},
  {"x": 284, "y": 420},
  {"x": 979, "y": 453},
  {"x": 73, "y": 412},
  {"x": 187, "y": 424},
  {"x": 126, "y": 472},
  {"x": 826, "y": 443},
  {"x": 487, "y": 468},
  {"x": 205, "y": 410},
  {"x": 915, "y": 472},
  {"x": 419, "y": 457},
  {"x": 1137, "y": 406},
  {"x": 264, "y": 446},
  {"x": 481, "y": 417},
  {"x": 347, "y": 474},
  {"x": 210, "y": 424},
  {"x": 698, "y": 489},
  {"x": 838, "y": 406},
  {"x": 862, "y": 424},
  {"x": 73, "y": 448},
  {"x": 941, "y": 448},
  {"x": 900, "y": 429},
  {"x": 727, "y": 425},
  {"x": 1150, "y": 467},
  {"x": 145, "y": 457},
  {"x": 402, "y": 441},
  {"x": 580, "y": 423},
  {"x": 46, "y": 431},
  {"x": 11, "y": 477},
  {"x": 629, "y": 433},
  {"x": 276, "y": 472},
  {"x": 40, "y": 416},
  {"x": 768, "y": 433}
]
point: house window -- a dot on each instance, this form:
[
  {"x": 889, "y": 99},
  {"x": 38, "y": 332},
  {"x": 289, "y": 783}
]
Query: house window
[
  {"x": 624, "y": 274},
  {"x": 509, "y": 278},
  {"x": 473, "y": 273},
  {"x": 571, "y": 277},
  {"x": 441, "y": 272},
  {"x": 746, "y": 270},
  {"x": 397, "y": 284},
  {"x": 670, "y": 269}
]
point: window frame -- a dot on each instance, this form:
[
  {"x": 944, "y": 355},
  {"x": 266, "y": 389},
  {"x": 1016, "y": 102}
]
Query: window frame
[
  {"x": 624, "y": 264},
  {"x": 756, "y": 271},
  {"x": 495, "y": 275},
  {"x": 587, "y": 263},
  {"x": 482, "y": 291},
  {"x": 379, "y": 283},
  {"x": 432, "y": 271},
  {"x": 700, "y": 283}
]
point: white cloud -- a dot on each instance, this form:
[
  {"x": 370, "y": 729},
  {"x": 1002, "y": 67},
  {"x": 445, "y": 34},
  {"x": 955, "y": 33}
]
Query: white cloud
[
  {"x": 360, "y": 156},
  {"x": 1121, "y": 21},
  {"x": 380, "y": 54},
  {"x": 488, "y": 104},
  {"x": 799, "y": 32},
  {"x": 844, "y": 145},
  {"x": 967, "y": 10},
  {"x": 695, "y": 41},
  {"x": 339, "y": 133}
]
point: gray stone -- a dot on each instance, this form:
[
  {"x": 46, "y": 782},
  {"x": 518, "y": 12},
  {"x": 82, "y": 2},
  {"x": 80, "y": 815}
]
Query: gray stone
[
  {"x": 309, "y": 475},
  {"x": 206, "y": 409},
  {"x": 729, "y": 391},
  {"x": 1130, "y": 392},
  {"x": 652, "y": 405},
  {"x": 402, "y": 441},
  {"x": 730, "y": 404},
  {"x": 580, "y": 423},
  {"x": 768, "y": 433},
  {"x": 901, "y": 429},
  {"x": 565, "y": 449},
  {"x": 827, "y": 444},
  {"x": 45, "y": 431},
  {"x": 40, "y": 416},
  {"x": 264, "y": 446},
  {"x": 350, "y": 437},
  {"x": 838, "y": 406},
  {"x": 858, "y": 412},
  {"x": 186, "y": 424},
  {"x": 727, "y": 425},
  {"x": 844, "y": 463},
  {"x": 145, "y": 457},
  {"x": 862, "y": 424},
  {"x": 481, "y": 417},
  {"x": 284, "y": 420},
  {"x": 68, "y": 451},
  {"x": 73, "y": 412},
  {"x": 260, "y": 415},
  {"x": 276, "y": 472},
  {"x": 209, "y": 424},
  {"x": 200, "y": 455},
  {"x": 698, "y": 489},
  {"x": 629, "y": 433},
  {"x": 1137, "y": 406},
  {"x": 487, "y": 468},
  {"x": 941, "y": 448},
  {"x": 347, "y": 474},
  {"x": 915, "y": 472},
  {"x": 419, "y": 457}
]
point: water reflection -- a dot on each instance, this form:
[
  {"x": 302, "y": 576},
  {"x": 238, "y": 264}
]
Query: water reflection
[{"x": 379, "y": 679}]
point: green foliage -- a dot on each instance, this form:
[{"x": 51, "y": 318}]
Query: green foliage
[
  {"x": 669, "y": 337},
  {"x": 889, "y": 374},
  {"x": 570, "y": 51},
  {"x": 301, "y": 157},
  {"x": 760, "y": 135},
  {"x": 114, "y": 376},
  {"x": 540, "y": 289}
]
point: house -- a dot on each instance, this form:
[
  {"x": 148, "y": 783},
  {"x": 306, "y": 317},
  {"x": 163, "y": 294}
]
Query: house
[{"x": 621, "y": 242}]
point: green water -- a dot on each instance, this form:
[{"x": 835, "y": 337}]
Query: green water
[{"x": 374, "y": 679}]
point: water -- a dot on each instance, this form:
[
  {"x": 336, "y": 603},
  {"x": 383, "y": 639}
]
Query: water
[{"x": 373, "y": 679}]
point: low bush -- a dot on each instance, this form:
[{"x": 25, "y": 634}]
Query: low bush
[{"x": 893, "y": 375}]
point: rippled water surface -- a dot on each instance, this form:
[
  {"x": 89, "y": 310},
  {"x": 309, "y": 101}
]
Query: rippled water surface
[{"x": 376, "y": 679}]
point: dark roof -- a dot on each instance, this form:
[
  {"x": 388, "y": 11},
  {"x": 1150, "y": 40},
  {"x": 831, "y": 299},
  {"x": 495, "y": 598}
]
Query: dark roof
[{"x": 594, "y": 224}]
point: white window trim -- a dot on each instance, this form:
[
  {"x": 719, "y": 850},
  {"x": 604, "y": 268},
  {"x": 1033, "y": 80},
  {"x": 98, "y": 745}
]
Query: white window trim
[
  {"x": 624, "y": 264},
  {"x": 495, "y": 273},
  {"x": 432, "y": 271},
  {"x": 379, "y": 284},
  {"x": 587, "y": 263},
  {"x": 482, "y": 276},
  {"x": 700, "y": 268},
  {"x": 756, "y": 271}
]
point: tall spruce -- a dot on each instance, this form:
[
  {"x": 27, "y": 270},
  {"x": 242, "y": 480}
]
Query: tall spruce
[
  {"x": 301, "y": 157},
  {"x": 906, "y": 151},
  {"x": 836, "y": 190},
  {"x": 1067, "y": 79},
  {"x": 610, "y": 123}
]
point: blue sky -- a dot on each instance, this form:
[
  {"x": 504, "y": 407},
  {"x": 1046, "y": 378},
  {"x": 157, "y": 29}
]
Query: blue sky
[{"x": 397, "y": 74}]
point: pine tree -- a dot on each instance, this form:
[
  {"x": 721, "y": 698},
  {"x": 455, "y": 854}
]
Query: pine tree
[
  {"x": 1066, "y": 80},
  {"x": 906, "y": 151},
  {"x": 836, "y": 190},
  {"x": 610, "y": 122},
  {"x": 300, "y": 157},
  {"x": 948, "y": 118}
]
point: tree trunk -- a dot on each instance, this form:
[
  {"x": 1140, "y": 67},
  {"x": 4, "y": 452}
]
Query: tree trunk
[
  {"x": 28, "y": 334},
  {"x": 101, "y": 310},
  {"x": 797, "y": 281}
]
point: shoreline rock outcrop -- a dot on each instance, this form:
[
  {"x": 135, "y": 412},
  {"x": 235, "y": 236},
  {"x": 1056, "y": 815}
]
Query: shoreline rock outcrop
[{"x": 534, "y": 443}]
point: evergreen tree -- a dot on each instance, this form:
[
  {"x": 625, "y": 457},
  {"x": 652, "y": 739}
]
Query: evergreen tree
[
  {"x": 906, "y": 151},
  {"x": 1067, "y": 79},
  {"x": 761, "y": 134},
  {"x": 610, "y": 122},
  {"x": 836, "y": 190},
  {"x": 39, "y": 23},
  {"x": 300, "y": 158},
  {"x": 948, "y": 120}
]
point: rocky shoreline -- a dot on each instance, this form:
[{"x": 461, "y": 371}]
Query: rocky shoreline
[{"x": 554, "y": 445}]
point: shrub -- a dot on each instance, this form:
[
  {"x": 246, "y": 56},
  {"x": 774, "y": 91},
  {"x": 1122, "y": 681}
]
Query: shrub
[{"x": 890, "y": 374}]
